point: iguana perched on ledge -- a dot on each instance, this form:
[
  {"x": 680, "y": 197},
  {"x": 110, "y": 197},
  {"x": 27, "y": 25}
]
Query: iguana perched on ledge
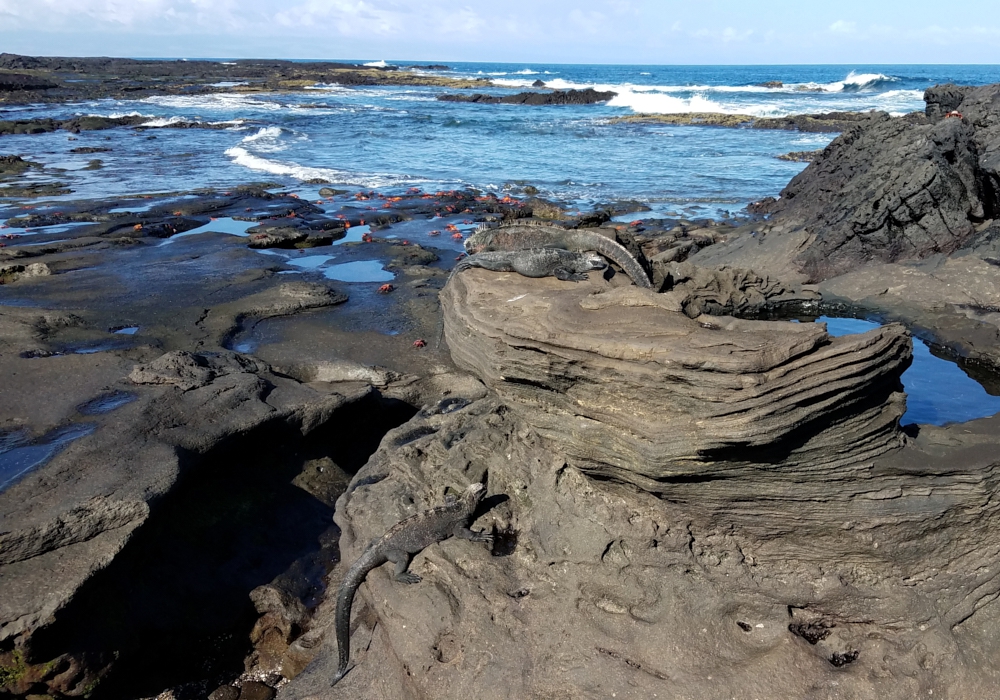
[
  {"x": 524, "y": 235},
  {"x": 398, "y": 545},
  {"x": 536, "y": 262}
]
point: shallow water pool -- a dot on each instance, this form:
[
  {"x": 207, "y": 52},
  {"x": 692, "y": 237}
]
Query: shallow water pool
[
  {"x": 937, "y": 390},
  {"x": 18, "y": 456},
  {"x": 359, "y": 271}
]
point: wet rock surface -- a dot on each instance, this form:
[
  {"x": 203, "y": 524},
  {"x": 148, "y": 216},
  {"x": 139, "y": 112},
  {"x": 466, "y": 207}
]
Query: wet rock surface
[{"x": 125, "y": 411}]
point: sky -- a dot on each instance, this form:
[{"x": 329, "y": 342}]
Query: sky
[{"x": 665, "y": 32}]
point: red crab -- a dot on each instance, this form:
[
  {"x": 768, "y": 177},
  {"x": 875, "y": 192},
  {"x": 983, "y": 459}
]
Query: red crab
[
  {"x": 385, "y": 289},
  {"x": 419, "y": 343},
  {"x": 366, "y": 238},
  {"x": 457, "y": 236}
]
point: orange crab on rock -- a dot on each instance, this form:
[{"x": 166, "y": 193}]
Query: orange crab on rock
[
  {"x": 419, "y": 343},
  {"x": 385, "y": 289}
]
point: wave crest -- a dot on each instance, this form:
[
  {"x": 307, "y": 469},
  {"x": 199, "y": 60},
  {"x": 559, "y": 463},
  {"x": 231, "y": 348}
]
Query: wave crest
[{"x": 242, "y": 156}]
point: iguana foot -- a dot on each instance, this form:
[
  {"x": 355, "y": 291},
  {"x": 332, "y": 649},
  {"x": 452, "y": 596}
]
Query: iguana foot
[
  {"x": 483, "y": 537},
  {"x": 567, "y": 276},
  {"x": 407, "y": 577}
]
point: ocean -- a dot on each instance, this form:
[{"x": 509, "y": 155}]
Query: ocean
[{"x": 392, "y": 138}]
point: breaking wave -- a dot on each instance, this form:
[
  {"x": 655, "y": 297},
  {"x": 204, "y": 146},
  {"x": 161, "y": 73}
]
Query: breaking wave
[
  {"x": 170, "y": 121},
  {"x": 242, "y": 156},
  {"x": 854, "y": 82},
  {"x": 215, "y": 102}
]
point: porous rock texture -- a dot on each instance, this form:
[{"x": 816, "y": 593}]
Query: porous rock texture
[
  {"x": 656, "y": 536},
  {"x": 870, "y": 581}
]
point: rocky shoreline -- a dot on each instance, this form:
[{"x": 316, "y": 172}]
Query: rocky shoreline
[
  {"x": 687, "y": 498},
  {"x": 32, "y": 79}
]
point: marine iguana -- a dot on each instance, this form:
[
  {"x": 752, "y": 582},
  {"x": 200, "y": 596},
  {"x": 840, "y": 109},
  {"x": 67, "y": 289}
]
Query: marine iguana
[
  {"x": 398, "y": 545},
  {"x": 523, "y": 235},
  {"x": 536, "y": 262}
]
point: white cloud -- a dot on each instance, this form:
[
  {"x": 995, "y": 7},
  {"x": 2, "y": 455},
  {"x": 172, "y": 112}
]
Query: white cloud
[
  {"x": 844, "y": 27},
  {"x": 348, "y": 18}
]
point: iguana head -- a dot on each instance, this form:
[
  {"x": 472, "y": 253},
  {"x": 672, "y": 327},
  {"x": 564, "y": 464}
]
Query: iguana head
[
  {"x": 596, "y": 262},
  {"x": 475, "y": 242}
]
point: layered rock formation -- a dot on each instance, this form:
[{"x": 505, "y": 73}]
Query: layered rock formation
[
  {"x": 778, "y": 544},
  {"x": 626, "y": 387},
  {"x": 870, "y": 581}
]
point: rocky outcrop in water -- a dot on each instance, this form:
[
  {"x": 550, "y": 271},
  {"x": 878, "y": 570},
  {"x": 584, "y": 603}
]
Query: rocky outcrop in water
[
  {"x": 893, "y": 189},
  {"x": 556, "y": 97},
  {"x": 896, "y": 217},
  {"x": 827, "y": 122}
]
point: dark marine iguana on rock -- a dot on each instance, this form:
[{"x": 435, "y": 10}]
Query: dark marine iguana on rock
[
  {"x": 536, "y": 262},
  {"x": 398, "y": 545},
  {"x": 524, "y": 235}
]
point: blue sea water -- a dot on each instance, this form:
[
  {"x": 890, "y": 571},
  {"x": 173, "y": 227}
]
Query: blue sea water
[{"x": 392, "y": 138}]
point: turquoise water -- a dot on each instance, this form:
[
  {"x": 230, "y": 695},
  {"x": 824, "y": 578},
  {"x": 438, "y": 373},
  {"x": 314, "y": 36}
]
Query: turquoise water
[{"x": 937, "y": 391}]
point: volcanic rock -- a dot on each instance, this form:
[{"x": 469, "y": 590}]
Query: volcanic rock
[
  {"x": 556, "y": 97},
  {"x": 627, "y": 388},
  {"x": 886, "y": 190},
  {"x": 275, "y": 237},
  {"x": 767, "y": 578},
  {"x": 21, "y": 81}
]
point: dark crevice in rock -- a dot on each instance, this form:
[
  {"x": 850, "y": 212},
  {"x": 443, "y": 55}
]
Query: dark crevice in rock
[{"x": 173, "y": 607}]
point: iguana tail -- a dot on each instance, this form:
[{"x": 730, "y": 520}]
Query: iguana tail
[
  {"x": 618, "y": 254},
  {"x": 345, "y": 600}
]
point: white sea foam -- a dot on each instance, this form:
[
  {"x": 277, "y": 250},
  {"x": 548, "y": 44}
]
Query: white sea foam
[
  {"x": 526, "y": 71},
  {"x": 219, "y": 102},
  {"x": 854, "y": 82},
  {"x": 658, "y": 103},
  {"x": 242, "y": 156},
  {"x": 377, "y": 64},
  {"x": 270, "y": 139},
  {"x": 120, "y": 115},
  {"x": 170, "y": 121}
]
